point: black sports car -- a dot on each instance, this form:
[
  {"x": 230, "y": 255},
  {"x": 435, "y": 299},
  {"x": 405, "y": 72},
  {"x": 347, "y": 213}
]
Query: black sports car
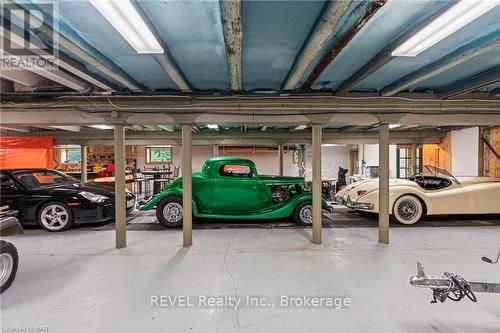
[{"x": 55, "y": 200}]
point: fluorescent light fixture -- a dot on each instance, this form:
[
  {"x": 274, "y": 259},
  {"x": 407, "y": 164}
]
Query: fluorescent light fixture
[
  {"x": 456, "y": 17},
  {"x": 102, "y": 127},
  {"x": 213, "y": 126},
  {"x": 391, "y": 126},
  {"x": 125, "y": 18},
  {"x": 300, "y": 127}
]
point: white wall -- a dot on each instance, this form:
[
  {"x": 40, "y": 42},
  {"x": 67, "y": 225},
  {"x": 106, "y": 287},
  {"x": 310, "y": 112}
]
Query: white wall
[
  {"x": 465, "y": 152},
  {"x": 266, "y": 162},
  {"x": 371, "y": 157},
  {"x": 332, "y": 157}
]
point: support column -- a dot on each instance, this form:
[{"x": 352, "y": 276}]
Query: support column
[
  {"x": 187, "y": 224},
  {"x": 215, "y": 150},
  {"x": 83, "y": 163},
  {"x": 413, "y": 158},
  {"x": 383, "y": 199},
  {"x": 316, "y": 183},
  {"x": 120, "y": 200},
  {"x": 280, "y": 157},
  {"x": 302, "y": 160}
]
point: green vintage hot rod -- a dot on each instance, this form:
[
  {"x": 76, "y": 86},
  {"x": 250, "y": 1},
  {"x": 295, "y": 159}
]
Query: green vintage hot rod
[{"x": 231, "y": 188}]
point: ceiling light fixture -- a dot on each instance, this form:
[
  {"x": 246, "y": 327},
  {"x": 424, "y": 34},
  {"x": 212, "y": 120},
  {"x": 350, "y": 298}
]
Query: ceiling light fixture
[
  {"x": 391, "y": 126},
  {"x": 456, "y": 17},
  {"x": 102, "y": 127},
  {"x": 300, "y": 127},
  {"x": 125, "y": 18},
  {"x": 213, "y": 126}
]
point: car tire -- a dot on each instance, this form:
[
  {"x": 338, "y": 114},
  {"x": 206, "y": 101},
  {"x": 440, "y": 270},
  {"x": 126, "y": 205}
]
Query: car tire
[
  {"x": 407, "y": 209},
  {"x": 9, "y": 260},
  {"x": 302, "y": 215},
  {"x": 55, "y": 216},
  {"x": 169, "y": 212}
]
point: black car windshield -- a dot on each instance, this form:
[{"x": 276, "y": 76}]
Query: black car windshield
[
  {"x": 36, "y": 179},
  {"x": 440, "y": 172}
]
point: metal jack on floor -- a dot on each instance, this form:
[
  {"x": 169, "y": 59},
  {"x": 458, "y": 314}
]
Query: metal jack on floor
[
  {"x": 452, "y": 286},
  {"x": 489, "y": 261}
]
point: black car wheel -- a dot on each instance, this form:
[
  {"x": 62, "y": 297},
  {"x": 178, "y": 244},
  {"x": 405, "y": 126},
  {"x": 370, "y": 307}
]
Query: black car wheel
[
  {"x": 55, "y": 216},
  {"x": 302, "y": 214},
  {"x": 9, "y": 260},
  {"x": 169, "y": 212}
]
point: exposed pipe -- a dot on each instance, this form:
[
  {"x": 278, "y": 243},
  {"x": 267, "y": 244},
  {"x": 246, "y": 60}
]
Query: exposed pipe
[
  {"x": 335, "y": 50},
  {"x": 325, "y": 26},
  {"x": 453, "y": 59},
  {"x": 233, "y": 38}
]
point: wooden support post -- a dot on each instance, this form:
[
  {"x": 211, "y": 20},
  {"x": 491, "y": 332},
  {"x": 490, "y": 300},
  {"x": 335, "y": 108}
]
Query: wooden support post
[
  {"x": 280, "y": 157},
  {"x": 316, "y": 186},
  {"x": 187, "y": 224},
  {"x": 120, "y": 200},
  {"x": 414, "y": 161},
  {"x": 83, "y": 163},
  {"x": 383, "y": 199}
]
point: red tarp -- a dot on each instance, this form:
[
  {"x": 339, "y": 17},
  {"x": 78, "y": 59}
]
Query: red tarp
[{"x": 26, "y": 152}]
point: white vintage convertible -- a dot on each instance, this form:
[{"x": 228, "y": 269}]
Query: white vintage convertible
[{"x": 436, "y": 193}]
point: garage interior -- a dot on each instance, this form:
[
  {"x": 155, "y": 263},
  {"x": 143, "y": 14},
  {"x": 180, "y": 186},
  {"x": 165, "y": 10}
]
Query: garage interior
[{"x": 302, "y": 89}]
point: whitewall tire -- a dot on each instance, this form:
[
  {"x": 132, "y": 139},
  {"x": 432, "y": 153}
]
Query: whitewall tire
[{"x": 407, "y": 209}]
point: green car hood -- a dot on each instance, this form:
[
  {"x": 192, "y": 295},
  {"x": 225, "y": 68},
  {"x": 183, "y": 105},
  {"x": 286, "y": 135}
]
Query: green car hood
[{"x": 281, "y": 180}]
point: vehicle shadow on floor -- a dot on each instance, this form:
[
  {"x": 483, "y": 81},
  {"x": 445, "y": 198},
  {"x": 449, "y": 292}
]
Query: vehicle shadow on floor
[{"x": 346, "y": 219}]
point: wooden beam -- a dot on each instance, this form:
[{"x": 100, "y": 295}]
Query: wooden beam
[
  {"x": 233, "y": 38},
  {"x": 335, "y": 50},
  {"x": 330, "y": 18}
]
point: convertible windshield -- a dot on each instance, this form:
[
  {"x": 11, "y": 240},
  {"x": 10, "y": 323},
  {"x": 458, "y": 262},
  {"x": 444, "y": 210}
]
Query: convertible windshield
[
  {"x": 440, "y": 172},
  {"x": 34, "y": 179}
]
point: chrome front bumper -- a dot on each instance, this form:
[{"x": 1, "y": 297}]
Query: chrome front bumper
[{"x": 359, "y": 205}]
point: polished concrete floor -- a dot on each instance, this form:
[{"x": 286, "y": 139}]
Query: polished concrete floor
[{"x": 77, "y": 281}]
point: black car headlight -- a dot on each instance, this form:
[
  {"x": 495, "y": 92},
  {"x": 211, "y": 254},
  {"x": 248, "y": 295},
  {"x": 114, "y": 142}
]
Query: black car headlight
[{"x": 93, "y": 197}]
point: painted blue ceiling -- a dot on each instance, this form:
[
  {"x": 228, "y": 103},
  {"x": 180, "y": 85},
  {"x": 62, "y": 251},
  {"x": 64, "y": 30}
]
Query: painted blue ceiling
[
  {"x": 402, "y": 66},
  {"x": 468, "y": 69},
  {"x": 273, "y": 34},
  {"x": 83, "y": 18},
  {"x": 192, "y": 31},
  {"x": 390, "y": 22}
]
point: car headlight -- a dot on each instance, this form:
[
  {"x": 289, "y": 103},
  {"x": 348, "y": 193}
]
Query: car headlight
[
  {"x": 93, "y": 197},
  {"x": 361, "y": 192}
]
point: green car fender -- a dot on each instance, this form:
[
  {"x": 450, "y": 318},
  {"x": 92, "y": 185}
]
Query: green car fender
[
  {"x": 285, "y": 209},
  {"x": 167, "y": 192}
]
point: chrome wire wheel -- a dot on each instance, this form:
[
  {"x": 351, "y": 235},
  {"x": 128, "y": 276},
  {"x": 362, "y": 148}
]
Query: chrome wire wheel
[
  {"x": 54, "y": 217},
  {"x": 6, "y": 266},
  {"x": 305, "y": 214},
  {"x": 173, "y": 212},
  {"x": 408, "y": 209}
]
